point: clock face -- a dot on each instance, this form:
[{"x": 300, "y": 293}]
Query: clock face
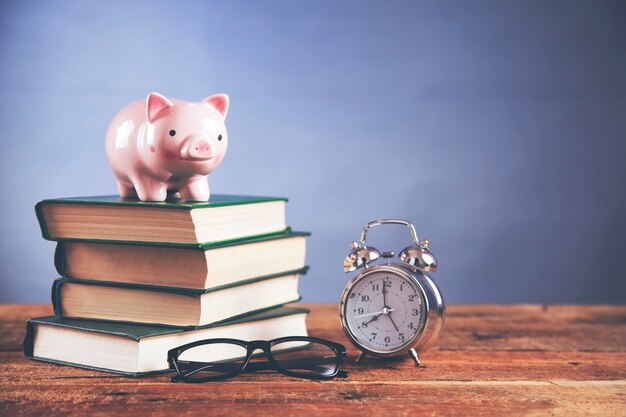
[{"x": 384, "y": 311}]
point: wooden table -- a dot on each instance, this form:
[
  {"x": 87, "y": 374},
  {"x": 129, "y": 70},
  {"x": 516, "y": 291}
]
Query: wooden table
[{"x": 491, "y": 360}]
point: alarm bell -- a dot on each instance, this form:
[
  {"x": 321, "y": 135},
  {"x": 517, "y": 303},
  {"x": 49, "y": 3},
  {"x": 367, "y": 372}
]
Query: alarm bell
[
  {"x": 417, "y": 255},
  {"x": 360, "y": 256}
]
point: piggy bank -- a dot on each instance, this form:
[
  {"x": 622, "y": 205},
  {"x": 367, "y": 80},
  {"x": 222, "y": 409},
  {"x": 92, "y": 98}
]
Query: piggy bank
[{"x": 157, "y": 145}]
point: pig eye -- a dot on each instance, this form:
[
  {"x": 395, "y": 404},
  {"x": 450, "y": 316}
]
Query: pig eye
[
  {"x": 219, "y": 137},
  {"x": 172, "y": 132}
]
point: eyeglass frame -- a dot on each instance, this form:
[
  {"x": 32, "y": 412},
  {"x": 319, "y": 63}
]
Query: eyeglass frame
[{"x": 251, "y": 347}]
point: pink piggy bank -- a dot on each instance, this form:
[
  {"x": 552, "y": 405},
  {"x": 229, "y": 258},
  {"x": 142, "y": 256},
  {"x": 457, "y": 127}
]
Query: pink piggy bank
[{"x": 160, "y": 145}]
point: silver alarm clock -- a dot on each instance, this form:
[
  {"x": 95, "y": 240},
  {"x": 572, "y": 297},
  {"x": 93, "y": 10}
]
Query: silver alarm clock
[{"x": 392, "y": 308}]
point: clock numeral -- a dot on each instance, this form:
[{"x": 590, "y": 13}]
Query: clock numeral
[
  {"x": 411, "y": 297},
  {"x": 374, "y": 335},
  {"x": 375, "y": 287},
  {"x": 364, "y": 324},
  {"x": 401, "y": 287},
  {"x": 411, "y": 326},
  {"x": 401, "y": 337},
  {"x": 414, "y": 312},
  {"x": 359, "y": 310},
  {"x": 387, "y": 283},
  {"x": 387, "y": 339},
  {"x": 365, "y": 298}
]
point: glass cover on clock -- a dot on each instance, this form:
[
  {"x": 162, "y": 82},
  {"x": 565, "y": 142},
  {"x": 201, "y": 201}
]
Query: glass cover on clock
[{"x": 384, "y": 311}]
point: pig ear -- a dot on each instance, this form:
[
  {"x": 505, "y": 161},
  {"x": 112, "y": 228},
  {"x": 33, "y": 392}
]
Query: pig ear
[
  {"x": 155, "y": 105},
  {"x": 219, "y": 102}
]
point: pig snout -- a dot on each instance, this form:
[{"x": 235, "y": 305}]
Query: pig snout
[{"x": 196, "y": 148}]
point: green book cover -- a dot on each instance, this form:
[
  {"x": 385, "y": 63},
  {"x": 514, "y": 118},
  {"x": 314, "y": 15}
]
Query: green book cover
[
  {"x": 197, "y": 246},
  {"x": 136, "y": 332},
  {"x": 216, "y": 200}
]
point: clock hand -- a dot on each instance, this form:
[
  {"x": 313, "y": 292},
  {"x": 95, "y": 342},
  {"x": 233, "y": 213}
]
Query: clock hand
[
  {"x": 376, "y": 313},
  {"x": 369, "y": 314},
  {"x": 393, "y": 322},
  {"x": 384, "y": 294},
  {"x": 385, "y": 306},
  {"x": 371, "y": 320}
]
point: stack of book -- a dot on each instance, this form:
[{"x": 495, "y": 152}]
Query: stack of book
[{"x": 140, "y": 278}]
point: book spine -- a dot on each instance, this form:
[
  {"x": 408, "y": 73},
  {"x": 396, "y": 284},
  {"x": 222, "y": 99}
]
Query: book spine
[
  {"x": 28, "y": 343},
  {"x": 60, "y": 261},
  {"x": 56, "y": 296},
  {"x": 42, "y": 220}
]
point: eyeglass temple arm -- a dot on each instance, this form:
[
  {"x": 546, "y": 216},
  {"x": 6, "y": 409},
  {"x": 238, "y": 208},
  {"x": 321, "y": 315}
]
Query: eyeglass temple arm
[
  {"x": 251, "y": 367},
  {"x": 263, "y": 366},
  {"x": 389, "y": 221},
  {"x": 199, "y": 366},
  {"x": 287, "y": 363},
  {"x": 340, "y": 374},
  {"x": 294, "y": 363},
  {"x": 258, "y": 366}
]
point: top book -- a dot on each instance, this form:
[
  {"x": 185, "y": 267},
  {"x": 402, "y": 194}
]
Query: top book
[{"x": 224, "y": 218}]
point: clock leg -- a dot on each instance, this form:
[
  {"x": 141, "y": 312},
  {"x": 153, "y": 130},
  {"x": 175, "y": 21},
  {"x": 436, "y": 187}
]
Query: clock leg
[
  {"x": 414, "y": 356},
  {"x": 362, "y": 355}
]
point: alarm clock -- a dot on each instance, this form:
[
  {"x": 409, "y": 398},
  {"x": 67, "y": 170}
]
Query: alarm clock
[{"x": 391, "y": 308}]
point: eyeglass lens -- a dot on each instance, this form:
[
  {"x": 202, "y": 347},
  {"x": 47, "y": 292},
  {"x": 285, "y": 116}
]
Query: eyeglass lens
[{"x": 210, "y": 360}]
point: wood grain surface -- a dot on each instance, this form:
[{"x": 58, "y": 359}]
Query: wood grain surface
[{"x": 491, "y": 360}]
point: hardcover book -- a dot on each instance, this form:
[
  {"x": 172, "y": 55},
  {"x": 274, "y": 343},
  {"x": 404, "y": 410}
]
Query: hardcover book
[
  {"x": 114, "y": 219},
  {"x": 136, "y": 349},
  {"x": 91, "y": 299},
  {"x": 185, "y": 267}
]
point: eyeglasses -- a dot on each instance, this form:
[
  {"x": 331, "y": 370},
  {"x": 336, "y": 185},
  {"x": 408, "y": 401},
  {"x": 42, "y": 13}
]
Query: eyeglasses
[{"x": 216, "y": 359}]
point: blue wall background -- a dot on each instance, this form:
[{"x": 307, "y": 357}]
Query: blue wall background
[{"x": 499, "y": 128}]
